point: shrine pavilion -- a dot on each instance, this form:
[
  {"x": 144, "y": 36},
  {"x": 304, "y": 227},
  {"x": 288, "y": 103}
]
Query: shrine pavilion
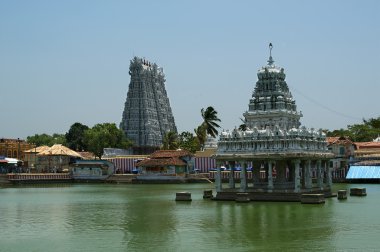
[{"x": 286, "y": 160}]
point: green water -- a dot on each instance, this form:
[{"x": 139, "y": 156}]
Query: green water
[{"x": 101, "y": 217}]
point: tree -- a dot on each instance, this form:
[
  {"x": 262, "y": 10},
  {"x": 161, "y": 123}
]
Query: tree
[
  {"x": 187, "y": 141},
  {"x": 209, "y": 121},
  {"x": 58, "y": 139},
  {"x": 208, "y": 127},
  {"x": 374, "y": 123},
  {"x": 338, "y": 133},
  {"x": 75, "y": 137},
  {"x": 45, "y": 139},
  {"x": 170, "y": 141},
  {"x": 105, "y": 135},
  {"x": 201, "y": 135},
  {"x": 364, "y": 132}
]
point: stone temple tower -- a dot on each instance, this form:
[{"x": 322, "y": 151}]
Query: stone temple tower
[
  {"x": 272, "y": 104},
  {"x": 147, "y": 115}
]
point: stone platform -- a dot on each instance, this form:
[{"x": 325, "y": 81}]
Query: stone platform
[
  {"x": 183, "y": 196},
  {"x": 358, "y": 192},
  {"x": 261, "y": 195},
  {"x": 312, "y": 198}
]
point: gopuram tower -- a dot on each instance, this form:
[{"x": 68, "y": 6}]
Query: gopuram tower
[
  {"x": 147, "y": 115},
  {"x": 285, "y": 158}
]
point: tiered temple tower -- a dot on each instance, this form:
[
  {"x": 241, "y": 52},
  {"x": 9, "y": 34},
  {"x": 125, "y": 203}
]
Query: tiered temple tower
[
  {"x": 272, "y": 104},
  {"x": 284, "y": 156},
  {"x": 147, "y": 115}
]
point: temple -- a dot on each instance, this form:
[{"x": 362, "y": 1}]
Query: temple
[
  {"x": 147, "y": 115},
  {"x": 286, "y": 160}
]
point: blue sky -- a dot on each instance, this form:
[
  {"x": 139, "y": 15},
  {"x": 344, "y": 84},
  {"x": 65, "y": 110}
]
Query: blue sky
[{"x": 63, "y": 62}]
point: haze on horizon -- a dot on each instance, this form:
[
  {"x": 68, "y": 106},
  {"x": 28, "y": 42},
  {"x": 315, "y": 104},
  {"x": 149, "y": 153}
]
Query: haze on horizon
[{"x": 67, "y": 61}]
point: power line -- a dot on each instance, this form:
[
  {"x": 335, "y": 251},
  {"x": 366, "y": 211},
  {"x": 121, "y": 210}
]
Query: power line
[{"x": 326, "y": 107}]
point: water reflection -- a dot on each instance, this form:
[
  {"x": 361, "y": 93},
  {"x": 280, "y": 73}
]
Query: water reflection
[
  {"x": 146, "y": 218},
  {"x": 148, "y": 224},
  {"x": 262, "y": 226}
]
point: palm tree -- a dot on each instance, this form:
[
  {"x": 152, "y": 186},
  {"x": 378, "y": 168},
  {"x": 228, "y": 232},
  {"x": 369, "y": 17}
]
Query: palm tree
[
  {"x": 209, "y": 121},
  {"x": 209, "y": 125},
  {"x": 170, "y": 141}
]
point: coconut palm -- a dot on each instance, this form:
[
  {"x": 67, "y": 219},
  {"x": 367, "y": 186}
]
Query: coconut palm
[
  {"x": 208, "y": 127},
  {"x": 210, "y": 120}
]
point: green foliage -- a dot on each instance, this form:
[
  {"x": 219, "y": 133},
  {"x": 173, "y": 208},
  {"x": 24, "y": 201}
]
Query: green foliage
[
  {"x": 75, "y": 137},
  {"x": 337, "y": 133},
  {"x": 187, "y": 141},
  {"x": 364, "y": 132},
  {"x": 105, "y": 135},
  {"x": 201, "y": 135},
  {"x": 45, "y": 139},
  {"x": 170, "y": 141}
]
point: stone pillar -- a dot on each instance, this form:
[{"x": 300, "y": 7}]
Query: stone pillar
[
  {"x": 270, "y": 177},
  {"x": 297, "y": 182},
  {"x": 308, "y": 176},
  {"x": 328, "y": 175},
  {"x": 319, "y": 175},
  {"x": 231, "y": 179},
  {"x": 243, "y": 177},
  {"x": 218, "y": 178}
]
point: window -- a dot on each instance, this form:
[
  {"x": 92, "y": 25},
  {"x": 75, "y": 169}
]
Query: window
[{"x": 341, "y": 151}]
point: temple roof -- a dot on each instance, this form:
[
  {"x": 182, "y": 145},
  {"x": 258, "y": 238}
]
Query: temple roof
[
  {"x": 165, "y": 158},
  {"x": 170, "y": 153},
  {"x": 161, "y": 162}
]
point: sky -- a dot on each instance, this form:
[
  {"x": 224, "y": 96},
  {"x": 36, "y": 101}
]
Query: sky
[{"x": 63, "y": 62}]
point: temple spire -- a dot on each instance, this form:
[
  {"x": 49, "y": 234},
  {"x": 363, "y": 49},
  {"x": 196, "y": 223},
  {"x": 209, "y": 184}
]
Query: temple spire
[{"x": 270, "y": 61}]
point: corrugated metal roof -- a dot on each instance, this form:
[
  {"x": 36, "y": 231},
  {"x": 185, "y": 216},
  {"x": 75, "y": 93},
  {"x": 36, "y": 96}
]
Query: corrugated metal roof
[{"x": 363, "y": 172}]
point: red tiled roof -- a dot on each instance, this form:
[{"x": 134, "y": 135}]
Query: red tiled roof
[
  {"x": 331, "y": 140},
  {"x": 338, "y": 140},
  {"x": 170, "y": 153},
  {"x": 161, "y": 162},
  {"x": 367, "y": 145}
]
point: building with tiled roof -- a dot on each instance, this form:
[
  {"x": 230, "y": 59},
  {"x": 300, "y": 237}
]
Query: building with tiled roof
[
  {"x": 367, "y": 162},
  {"x": 343, "y": 150},
  {"x": 50, "y": 159},
  {"x": 367, "y": 152},
  {"x": 167, "y": 163}
]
